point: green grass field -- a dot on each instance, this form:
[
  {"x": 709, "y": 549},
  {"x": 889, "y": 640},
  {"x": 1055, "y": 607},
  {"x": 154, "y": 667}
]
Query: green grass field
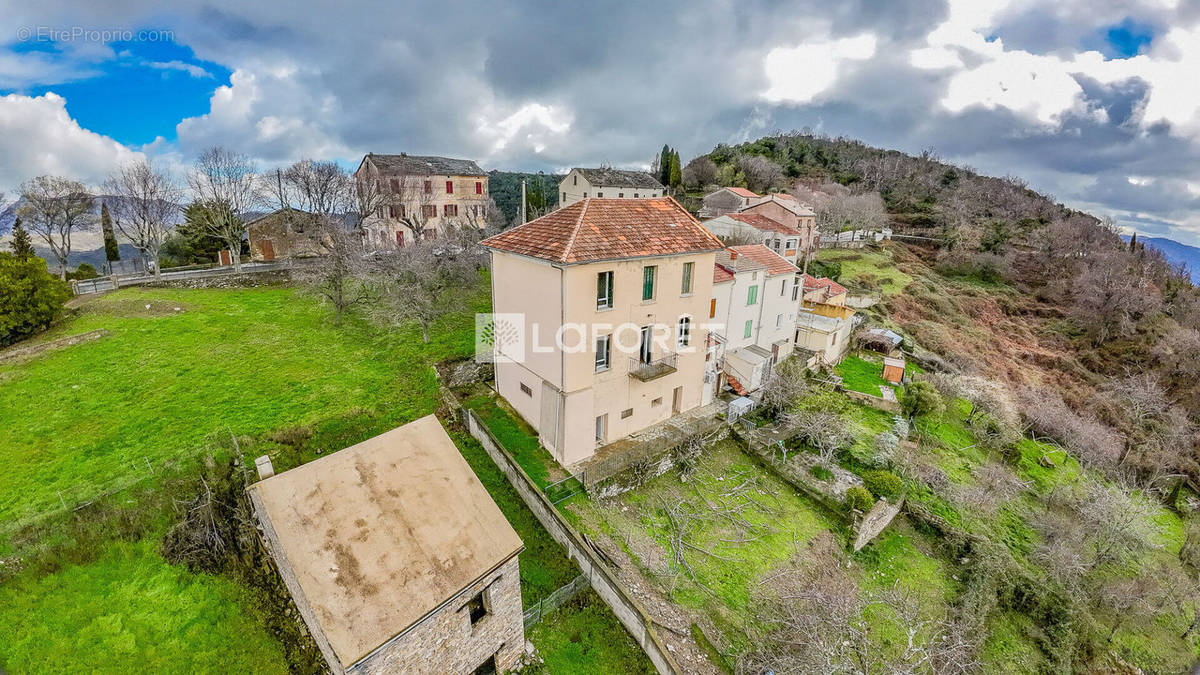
[
  {"x": 862, "y": 375},
  {"x": 169, "y": 387},
  {"x": 164, "y": 383},
  {"x": 867, "y": 270}
]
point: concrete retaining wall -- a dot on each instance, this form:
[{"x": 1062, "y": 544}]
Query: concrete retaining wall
[
  {"x": 874, "y": 401},
  {"x": 605, "y": 583}
]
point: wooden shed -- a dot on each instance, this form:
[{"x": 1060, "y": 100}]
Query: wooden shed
[{"x": 893, "y": 369}]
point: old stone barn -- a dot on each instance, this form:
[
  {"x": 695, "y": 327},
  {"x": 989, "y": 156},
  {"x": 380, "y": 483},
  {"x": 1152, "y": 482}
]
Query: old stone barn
[{"x": 396, "y": 556}]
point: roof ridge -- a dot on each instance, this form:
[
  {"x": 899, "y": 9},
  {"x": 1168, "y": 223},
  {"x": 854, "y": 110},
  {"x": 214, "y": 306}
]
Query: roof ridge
[{"x": 575, "y": 231}]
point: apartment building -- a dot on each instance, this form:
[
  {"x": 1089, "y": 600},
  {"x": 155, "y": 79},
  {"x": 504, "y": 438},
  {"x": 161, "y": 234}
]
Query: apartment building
[
  {"x": 756, "y": 295},
  {"x": 420, "y": 194},
  {"x": 626, "y": 284},
  {"x": 606, "y": 183}
]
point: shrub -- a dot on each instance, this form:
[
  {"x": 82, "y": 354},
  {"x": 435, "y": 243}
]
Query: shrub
[
  {"x": 883, "y": 483},
  {"x": 30, "y": 297},
  {"x": 859, "y": 499},
  {"x": 83, "y": 271},
  {"x": 920, "y": 398}
]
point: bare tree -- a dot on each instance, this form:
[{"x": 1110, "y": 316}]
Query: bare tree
[
  {"x": 823, "y": 430},
  {"x": 423, "y": 283},
  {"x": 700, "y": 172},
  {"x": 761, "y": 173},
  {"x": 147, "y": 199},
  {"x": 53, "y": 207},
  {"x": 742, "y": 236},
  {"x": 225, "y": 182},
  {"x": 1112, "y": 296},
  {"x": 1178, "y": 352},
  {"x": 783, "y": 388}
]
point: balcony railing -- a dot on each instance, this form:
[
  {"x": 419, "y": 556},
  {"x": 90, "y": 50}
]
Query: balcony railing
[{"x": 652, "y": 370}]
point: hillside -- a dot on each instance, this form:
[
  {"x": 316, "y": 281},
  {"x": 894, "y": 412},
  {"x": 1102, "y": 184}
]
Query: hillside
[{"x": 1175, "y": 253}]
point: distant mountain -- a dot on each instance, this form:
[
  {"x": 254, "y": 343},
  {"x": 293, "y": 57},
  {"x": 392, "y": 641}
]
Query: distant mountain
[
  {"x": 1176, "y": 253},
  {"x": 9, "y": 214}
]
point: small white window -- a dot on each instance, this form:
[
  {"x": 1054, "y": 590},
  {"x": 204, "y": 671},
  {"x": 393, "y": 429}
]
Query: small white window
[
  {"x": 779, "y": 321},
  {"x": 603, "y": 347},
  {"x": 684, "y": 337}
]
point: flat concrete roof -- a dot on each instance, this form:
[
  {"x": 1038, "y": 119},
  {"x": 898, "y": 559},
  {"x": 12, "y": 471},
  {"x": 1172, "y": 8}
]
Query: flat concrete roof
[{"x": 381, "y": 533}]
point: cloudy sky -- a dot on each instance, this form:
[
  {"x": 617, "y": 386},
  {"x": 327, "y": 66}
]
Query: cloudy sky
[{"x": 1096, "y": 102}]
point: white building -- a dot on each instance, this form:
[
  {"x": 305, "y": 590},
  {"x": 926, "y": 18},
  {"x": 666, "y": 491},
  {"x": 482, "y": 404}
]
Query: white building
[
  {"x": 606, "y": 183},
  {"x": 756, "y": 297},
  {"x": 784, "y": 240}
]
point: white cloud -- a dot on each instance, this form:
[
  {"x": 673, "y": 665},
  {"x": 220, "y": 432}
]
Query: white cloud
[
  {"x": 1042, "y": 87},
  {"x": 37, "y": 136},
  {"x": 534, "y": 124},
  {"x": 800, "y": 74},
  {"x": 191, "y": 69}
]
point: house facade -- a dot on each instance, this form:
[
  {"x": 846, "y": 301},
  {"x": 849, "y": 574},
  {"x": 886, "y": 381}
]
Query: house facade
[
  {"x": 606, "y": 183},
  {"x": 727, "y": 200},
  {"x": 790, "y": 212},
  {"x": 824, "y": 329},
  {"x": 625, "y": 285},
  {"x": 753, "y": 314},
  {"x": 785, "y": 241},
  {"x": 420, "y": 193},
  {"x": 396, "y": 557},
  {"x": 823, "y": 290},
  {"x": 283, "y": 235}
]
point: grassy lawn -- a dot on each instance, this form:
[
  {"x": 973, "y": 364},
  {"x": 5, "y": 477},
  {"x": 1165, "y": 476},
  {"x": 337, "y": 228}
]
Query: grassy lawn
[
  {"x": 863, "y": 375},
  {"x": 163, "y": 384},
  {"x": 866, "y": 270},
  {"x": 583, "y": 636},
  {"x": 133, "y": 612},
  {"x": 518, "y": 438}
]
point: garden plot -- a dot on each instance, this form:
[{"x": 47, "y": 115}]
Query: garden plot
[{"x": 715, "y": 537}]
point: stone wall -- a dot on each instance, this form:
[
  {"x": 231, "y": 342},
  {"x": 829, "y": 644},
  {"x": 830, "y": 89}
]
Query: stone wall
[
  {"x": 603, "y": 581},
  {"x": 874, "y": 401},
  {"x": 446, "y": 642}
]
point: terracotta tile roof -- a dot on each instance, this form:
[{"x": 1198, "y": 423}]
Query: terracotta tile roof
[
  {"x": 812, "y": 283},
  {"x": 737, "y": 386},
  {"x": 721, "y": 274},
  {"x": 769, "y": 259},
  {"x": 736, "y": 262},
  {"x": 743, "y": 192},
  {"x": 607, "y": 229},
  {"x": 761, "y": 222},
  {"x": 786, "y": 201}
]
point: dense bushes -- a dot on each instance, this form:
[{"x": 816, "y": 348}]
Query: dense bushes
[
  {"x": 920, "y": 398},
  {"x": 30, "y": 298},
  {"x": 883, "y": 483},
  {"x": 859, "y": 499}
]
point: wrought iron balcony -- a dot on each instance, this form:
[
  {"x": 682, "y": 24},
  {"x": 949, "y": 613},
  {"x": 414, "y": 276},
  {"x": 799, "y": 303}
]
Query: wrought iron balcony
[{"x": 652, "y": 370}]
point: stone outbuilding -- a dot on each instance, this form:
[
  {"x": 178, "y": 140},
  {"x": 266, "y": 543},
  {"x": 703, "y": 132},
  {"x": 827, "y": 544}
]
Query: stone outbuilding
[
  {"x": 396, "y": 556},
  {"x": 284, "y": 234}
]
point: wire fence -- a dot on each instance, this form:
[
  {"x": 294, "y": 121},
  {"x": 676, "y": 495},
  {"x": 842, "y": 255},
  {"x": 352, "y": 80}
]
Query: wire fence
[{"x": 555, "y": 599}]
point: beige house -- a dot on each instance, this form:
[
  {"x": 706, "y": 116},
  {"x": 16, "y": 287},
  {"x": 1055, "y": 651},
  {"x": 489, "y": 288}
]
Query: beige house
[
  {"x": 824, "y": 330},
  {"x": 823, "y": 290},
  {"x": 396, "y": 557},
  {"x": 727, "y": 200},
  {"x": 753, "y": 314},
  {"x": 790, "y": 212},
  {"x": 609, "y": 295},
  {"x": 606, "y": 183},
  {"x": 420, "y": 193}
]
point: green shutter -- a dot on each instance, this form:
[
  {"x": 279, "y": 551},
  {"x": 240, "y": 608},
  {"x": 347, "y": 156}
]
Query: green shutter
[
  {"x": 752, "y": 295},
  {"x": 749, "y": 327},
  {"x": 687, "y": 277},
  {"x": 648, "y": 282}
]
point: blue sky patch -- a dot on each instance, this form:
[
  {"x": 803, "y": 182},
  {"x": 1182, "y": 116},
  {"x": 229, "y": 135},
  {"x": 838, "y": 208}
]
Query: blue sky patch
[
  {"x": 142, "y": 93},
  {"x": 1123, "y": 40}
]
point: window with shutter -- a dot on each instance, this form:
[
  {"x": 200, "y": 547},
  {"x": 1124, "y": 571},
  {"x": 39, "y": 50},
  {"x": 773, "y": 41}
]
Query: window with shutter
[
  {"x": 648, "y": 273},
  {"x": 428, "y": 187},
  {"x": 687, "y": 278},
  {"x": 712, "y": 308},
  {"x": 449, "y": 187},
  {"x": 752, "y": 295},
  {"x": 478, "y": 187}
]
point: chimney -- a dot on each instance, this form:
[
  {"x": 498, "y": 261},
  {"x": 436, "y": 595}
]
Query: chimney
[
  {"x": 265, "y": 469},
  {"x": 732, "y": 254}
]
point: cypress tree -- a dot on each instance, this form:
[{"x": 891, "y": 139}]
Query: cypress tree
[
  {"x": 111, "y": 252},
  {"x": 22, "y": 247},
  {"x": 675, "y": 175},
  {"x": 664, "y": 165}
]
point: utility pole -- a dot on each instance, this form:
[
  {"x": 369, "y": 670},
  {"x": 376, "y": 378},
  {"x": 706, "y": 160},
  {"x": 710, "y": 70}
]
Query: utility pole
[{"x": 523, "y": 221}]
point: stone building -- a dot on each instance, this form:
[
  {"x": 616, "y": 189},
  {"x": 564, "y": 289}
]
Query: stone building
[
  {"x": 786, "y": 209},
  {"x": 420, "y": 193},
  {"x": 727, "y": 200},
  {"x": 283, "y": 234},
  {"x": 397, "y": 558},
  {"x": 606, "y": 183}
]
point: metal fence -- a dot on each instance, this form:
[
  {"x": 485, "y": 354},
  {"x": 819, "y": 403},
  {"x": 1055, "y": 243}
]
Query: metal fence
[{"x": 555, "y": 600}]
